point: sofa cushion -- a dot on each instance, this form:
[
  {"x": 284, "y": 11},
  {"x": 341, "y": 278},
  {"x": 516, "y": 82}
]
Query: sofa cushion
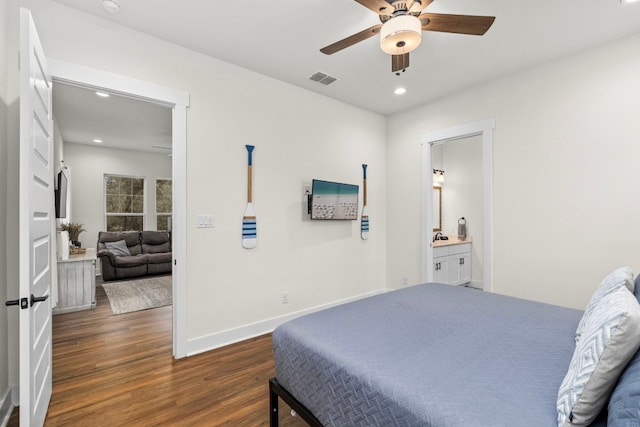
[
  {"x": 131, "y": 261},
  {"x": 118, "y": 248},
  {"x": 159, "y": 258},
  {"x": 622, "y": 277},
  {"x": 610, "y": 338},
  {"x": 154, "y": 242},
  {"x": 132, "y": 238}
]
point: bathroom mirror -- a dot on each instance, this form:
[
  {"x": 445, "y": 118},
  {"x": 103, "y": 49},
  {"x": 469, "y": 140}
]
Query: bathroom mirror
[{"x": 437, "y": 208}]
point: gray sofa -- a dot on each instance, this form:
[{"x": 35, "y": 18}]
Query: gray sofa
[{"x": 149, "y": 252}]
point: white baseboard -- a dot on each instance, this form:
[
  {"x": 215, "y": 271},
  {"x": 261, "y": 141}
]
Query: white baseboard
[
  {"x": 230, "y": 336},
  {"x": 476, "y": 284},
  {"x": 6, "y": 408}
]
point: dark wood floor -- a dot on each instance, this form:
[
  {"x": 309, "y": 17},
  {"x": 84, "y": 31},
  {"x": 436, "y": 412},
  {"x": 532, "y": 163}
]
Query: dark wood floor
[{"x": 118, "y": 370}]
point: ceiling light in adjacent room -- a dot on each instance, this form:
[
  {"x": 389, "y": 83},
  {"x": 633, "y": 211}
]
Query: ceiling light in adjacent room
[
  {"x": 400, "y": 91},
  {"x": 111, "y": 6},
  {"x": 97, "y": 141},
  {"x": 401, "y": 34},
  {"x": 102, "y": 94}
]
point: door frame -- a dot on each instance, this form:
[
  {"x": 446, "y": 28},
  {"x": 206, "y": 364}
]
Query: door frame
[
  {"x": 485, "y": 129},
  {"x": 178, "y": 101}
]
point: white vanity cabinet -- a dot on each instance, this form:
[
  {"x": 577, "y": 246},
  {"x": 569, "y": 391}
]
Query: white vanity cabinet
[{"x": 452, "y": 263}]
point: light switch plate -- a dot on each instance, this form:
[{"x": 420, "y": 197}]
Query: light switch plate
[{"x": 205, "y": 221}]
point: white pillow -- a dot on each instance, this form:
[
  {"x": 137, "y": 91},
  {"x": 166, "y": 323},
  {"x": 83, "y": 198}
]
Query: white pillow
[
  {"x": 622, "y": 277},
  {"x": 610, "y": 338}
]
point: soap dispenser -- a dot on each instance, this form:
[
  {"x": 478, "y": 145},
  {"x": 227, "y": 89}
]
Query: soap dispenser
[{"x": 462, "y": 229}]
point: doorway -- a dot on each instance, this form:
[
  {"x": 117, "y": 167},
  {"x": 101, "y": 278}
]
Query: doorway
[
  {"x": 484, "y": 130},
  {"x": 178, "y": 102}
]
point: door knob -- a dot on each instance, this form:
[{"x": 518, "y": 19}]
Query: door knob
[
  {"x": 23, "y": 303},
  {"x": 35, "y": 299}
]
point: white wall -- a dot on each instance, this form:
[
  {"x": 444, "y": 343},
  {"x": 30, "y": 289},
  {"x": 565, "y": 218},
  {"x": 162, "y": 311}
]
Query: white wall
[
  {"x": 4, "y": 366},
  {"x": 462, "y": 195},
  {"x": 88, "y": 166},
  {"x": 565, "y": 184},
  {"x": 298, "y": 136}
]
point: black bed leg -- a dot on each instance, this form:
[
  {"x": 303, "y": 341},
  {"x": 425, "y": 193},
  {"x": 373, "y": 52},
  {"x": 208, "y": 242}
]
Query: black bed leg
[{"x": 273, "y": 406}]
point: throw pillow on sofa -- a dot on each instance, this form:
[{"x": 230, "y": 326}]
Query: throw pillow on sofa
[{"x": 118, "y": 248}]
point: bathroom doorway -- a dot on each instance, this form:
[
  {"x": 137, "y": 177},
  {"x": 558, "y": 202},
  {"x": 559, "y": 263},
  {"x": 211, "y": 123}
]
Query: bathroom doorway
[
  {"x": 460, "y": 194},
  {"x": 468, "y": 147}
]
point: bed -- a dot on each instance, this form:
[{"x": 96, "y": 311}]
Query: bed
[{"x": 429, "y": 355}]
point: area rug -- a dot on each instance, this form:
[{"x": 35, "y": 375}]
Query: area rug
[{"x": 141, "y": 294}]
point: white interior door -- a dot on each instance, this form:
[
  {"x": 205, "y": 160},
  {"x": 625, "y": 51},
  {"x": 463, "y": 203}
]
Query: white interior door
[{"x": 36, "y": 216}]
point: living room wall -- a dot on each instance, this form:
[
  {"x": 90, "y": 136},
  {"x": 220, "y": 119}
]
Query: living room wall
[
  {"x": 88, "y": 166},
  {"x": 565, "y": 182}
]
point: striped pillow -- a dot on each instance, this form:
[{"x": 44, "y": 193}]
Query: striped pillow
[
  {"x": 610, "y": 338},
  {"x": 622, "y": 277}
]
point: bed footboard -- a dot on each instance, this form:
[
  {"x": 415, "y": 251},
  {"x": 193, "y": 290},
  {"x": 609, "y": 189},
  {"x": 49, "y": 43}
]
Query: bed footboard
[{"x": 275, "y": 391}]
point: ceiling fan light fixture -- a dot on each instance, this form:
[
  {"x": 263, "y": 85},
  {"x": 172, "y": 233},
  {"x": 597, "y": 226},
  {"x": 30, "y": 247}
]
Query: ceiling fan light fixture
[{"x": 401, "y": 34}]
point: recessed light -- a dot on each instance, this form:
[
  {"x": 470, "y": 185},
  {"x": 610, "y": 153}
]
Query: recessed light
[
  {"x": 400, "y": 91},
  {"x": 628, "y": 1},
  {"x": 111, "y": 6},
  {"x": 97, "y": 141},
  {"x": 102, "y": 94}
]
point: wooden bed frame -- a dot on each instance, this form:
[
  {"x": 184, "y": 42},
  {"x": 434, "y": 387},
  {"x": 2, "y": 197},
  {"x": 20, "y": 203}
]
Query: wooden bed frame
[{"x": 277, "y": 391}]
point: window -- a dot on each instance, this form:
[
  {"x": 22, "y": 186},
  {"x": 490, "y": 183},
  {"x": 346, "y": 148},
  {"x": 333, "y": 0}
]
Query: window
[
  {"x": 164, "y": 206},
  {"x": 124, "y": 203}
]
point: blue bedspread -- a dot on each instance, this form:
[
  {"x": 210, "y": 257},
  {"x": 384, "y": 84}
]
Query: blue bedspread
[{"x": 429, "y": 355}]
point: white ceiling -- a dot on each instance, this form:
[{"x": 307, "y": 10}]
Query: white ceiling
[
  {"x": 118, "y": 121},
  {"x": 282, "y": 39}
]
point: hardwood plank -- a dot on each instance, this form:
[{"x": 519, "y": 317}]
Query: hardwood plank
[{"x": 118, "y": 370}]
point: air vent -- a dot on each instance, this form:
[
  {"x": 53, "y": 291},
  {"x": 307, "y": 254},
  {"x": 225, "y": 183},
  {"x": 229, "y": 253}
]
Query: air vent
[{"x": 322, "y": 78}]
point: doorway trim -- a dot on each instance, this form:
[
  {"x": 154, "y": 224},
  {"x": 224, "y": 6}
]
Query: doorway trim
[
  {"x": 178, "y": 101},
  {"x": 485, "y": 129}
]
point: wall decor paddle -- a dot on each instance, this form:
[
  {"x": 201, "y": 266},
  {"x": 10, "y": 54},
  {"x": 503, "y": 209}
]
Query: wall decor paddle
[
  {"x": 249, "y": 226},
  {"x": 364, "y": 221}
]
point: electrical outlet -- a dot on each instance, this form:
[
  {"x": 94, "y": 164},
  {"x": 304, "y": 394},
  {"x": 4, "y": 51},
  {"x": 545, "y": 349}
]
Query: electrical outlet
[
  {"x": 285, "y": 297},
  {"x": 405, "y": 280}
]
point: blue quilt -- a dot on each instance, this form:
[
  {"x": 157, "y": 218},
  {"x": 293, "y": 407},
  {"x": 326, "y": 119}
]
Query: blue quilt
[{"x": 429, "y": 355}]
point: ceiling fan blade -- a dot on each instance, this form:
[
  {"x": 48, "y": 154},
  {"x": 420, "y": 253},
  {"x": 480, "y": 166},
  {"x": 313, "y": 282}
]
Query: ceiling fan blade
[
  {"x": 461, "y": 24},
  {"x": 418, "y": 5},
  {"x": 351, "y": 40},
  {"x": 399, "y": 62},
  {"x": 380, "y": 7}
]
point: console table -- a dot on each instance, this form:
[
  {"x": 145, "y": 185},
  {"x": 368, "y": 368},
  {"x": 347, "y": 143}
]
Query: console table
[{"x": 77, "y": 282}]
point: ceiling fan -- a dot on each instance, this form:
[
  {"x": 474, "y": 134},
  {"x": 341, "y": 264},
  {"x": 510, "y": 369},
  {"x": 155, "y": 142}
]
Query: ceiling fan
[{"x": 402, "y": 25}]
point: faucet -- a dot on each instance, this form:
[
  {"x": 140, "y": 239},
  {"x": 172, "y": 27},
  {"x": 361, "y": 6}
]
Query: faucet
[{"x": 437, "y": 236}]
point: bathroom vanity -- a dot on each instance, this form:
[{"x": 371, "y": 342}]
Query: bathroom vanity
[{"x": 452, "y": 261}]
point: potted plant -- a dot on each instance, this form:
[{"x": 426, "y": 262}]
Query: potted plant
[{"x": 74, "y": 229}]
